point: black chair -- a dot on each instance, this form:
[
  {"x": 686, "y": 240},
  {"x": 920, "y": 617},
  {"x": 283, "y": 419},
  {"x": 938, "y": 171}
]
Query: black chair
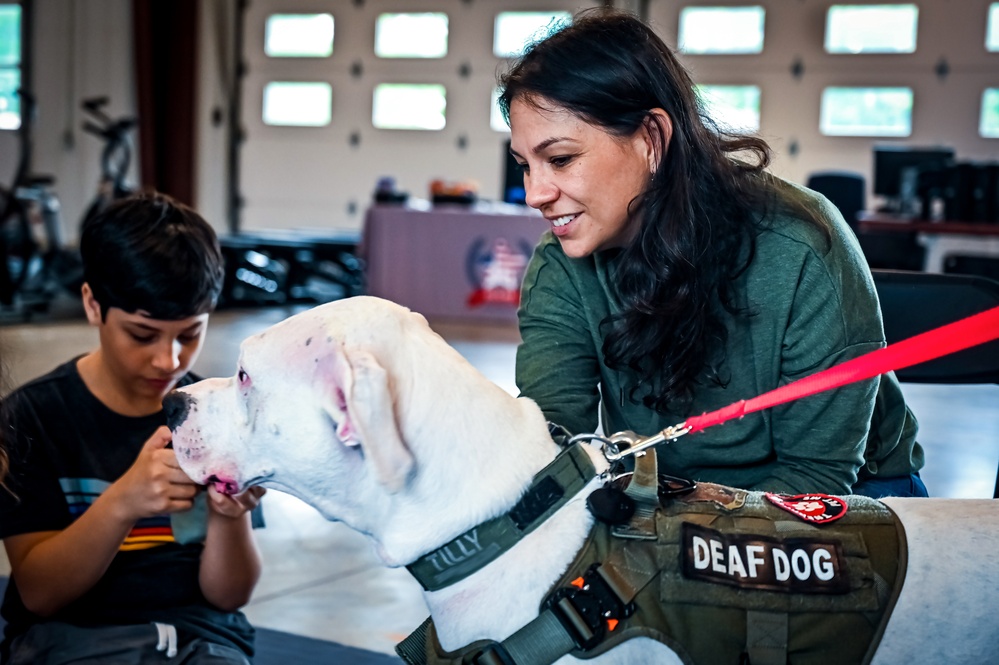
[
  {"x": 984, "y": 266},
  {"x": 883, "y": 250},
  {"x": 844, "y": 189},
  {"x": 915, "y": 302}
]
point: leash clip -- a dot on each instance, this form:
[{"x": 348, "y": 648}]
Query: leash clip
[{"x": 622, "y": 444}]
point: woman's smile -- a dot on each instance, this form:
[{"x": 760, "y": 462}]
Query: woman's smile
[{"x": 581, "y": 177}]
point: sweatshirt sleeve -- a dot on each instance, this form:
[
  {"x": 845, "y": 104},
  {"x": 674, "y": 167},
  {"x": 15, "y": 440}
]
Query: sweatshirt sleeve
[
  {"x": 819, "y": 441},
  {"x": 557, "y": 361}
]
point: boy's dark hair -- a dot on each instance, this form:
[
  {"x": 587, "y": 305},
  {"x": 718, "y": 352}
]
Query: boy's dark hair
[{"x": 152, "y": 253}]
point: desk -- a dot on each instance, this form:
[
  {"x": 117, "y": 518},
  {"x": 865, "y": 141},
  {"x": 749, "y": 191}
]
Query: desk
[
  {"x": 450, "y": 261},
  {"x": 941, "y": 239}
]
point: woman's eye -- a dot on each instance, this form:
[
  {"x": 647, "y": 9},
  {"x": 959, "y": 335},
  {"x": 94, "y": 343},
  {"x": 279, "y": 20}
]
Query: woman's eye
[
  {"x": 143, "y": 339},
  {"x": 560, "y": 161}
]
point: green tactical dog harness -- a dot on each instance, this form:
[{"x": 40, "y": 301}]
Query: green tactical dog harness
[{"x": 718, "y": 575}]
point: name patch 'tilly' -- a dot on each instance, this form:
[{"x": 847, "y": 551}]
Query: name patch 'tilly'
[{"x": 792, "y": 565}]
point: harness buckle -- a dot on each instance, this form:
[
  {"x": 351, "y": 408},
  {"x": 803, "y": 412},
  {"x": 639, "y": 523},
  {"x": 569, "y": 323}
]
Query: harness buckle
[
  {"x": 671, "y": 486},
  {"x": 559, "y": 434},
  {"x": 668, "y": 486},
  {"x": 588, "y": 609}
]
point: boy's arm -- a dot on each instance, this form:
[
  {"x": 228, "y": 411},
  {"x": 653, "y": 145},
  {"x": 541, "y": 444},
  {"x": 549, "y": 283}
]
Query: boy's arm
[
  {"x": 230, "y": 562},
  {"x": 54, "y": 568}
]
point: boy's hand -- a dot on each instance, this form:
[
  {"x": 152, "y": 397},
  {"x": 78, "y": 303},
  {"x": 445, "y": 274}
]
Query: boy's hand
[
  {"x": 155, "y": 483},
  {"x": 234, "y": 505}
]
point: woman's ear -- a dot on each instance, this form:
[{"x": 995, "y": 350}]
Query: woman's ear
[
  {"x": 91, "y": 306},
  {"x": 657, "y": 132}
]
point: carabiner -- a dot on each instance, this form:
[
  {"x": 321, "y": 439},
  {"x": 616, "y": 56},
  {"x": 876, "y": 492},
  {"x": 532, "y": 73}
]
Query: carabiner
[{"x": 636, "y": 445}]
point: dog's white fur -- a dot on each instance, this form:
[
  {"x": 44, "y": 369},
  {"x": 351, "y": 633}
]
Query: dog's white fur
[{"x": 358, "y": 408}]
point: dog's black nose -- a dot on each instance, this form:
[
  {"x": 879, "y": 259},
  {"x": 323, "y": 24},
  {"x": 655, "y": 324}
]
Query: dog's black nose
[{"x": 175, "y": 406}]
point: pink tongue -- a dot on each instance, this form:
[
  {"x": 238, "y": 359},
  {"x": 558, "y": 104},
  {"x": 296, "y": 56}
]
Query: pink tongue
[{"x": 225, "y": 487}]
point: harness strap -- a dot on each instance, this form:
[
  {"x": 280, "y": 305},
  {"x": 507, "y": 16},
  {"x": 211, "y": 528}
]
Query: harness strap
[
  {"x": 413, "y": 649},
  {"x": 563, "y": 628},
  {"x": 644, "y": 489},
  {"x": 541, "y": 642},
  {"x": 567, "y": 624},
  {"x": 766, "y": 637},
  {"x": 552, "y": 487},
  {"x": 575, "y": 617}
]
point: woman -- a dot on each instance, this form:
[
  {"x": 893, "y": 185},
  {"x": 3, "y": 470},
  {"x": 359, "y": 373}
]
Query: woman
[{"x": 679, "y": 276}]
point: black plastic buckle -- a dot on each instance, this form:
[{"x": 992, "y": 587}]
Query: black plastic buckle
[
  {"x": 589, "y": 609},
  {"x": 670, "y": 486},
  {"x": 559, "y": 434}
]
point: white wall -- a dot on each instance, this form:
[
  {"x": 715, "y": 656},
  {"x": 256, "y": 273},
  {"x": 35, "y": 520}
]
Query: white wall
[
  {"x": 81, "y": 50},
  {"x": 84, "y": 49},
  {"x": 217, "y": 56},
  {"x": 945, "y": 110},
  {"x": 293, "y": 178},
  {"x": 313, "y": 177}
]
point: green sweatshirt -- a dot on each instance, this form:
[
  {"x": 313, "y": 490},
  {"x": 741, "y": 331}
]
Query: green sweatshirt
[{"x": 814, "y": 306}]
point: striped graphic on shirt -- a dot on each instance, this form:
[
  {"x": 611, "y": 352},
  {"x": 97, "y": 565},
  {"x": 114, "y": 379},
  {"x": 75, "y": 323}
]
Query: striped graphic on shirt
[{"x": 148, "y": 532}]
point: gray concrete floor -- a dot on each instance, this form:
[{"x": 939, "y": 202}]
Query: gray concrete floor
[{"x": 322, "y": 580}]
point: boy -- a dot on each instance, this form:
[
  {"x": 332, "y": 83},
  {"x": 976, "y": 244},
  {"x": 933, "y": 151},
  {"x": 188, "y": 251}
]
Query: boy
[{"x": 96, "y": 524}]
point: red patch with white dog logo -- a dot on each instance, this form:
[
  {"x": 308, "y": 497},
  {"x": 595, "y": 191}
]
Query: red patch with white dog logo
[{"x": 813, "y": 508}]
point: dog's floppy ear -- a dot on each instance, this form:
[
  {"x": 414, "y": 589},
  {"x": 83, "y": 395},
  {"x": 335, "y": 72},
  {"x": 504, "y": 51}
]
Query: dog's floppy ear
[{"x": 359, "y": 399}]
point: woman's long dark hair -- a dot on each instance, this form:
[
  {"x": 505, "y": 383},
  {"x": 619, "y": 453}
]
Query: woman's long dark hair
[
  {"x": 699, "y": 214},
  {"x": 4, "y": 419}
]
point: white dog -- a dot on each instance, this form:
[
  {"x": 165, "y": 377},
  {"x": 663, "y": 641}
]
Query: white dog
[{"x": 358, "y": 408}]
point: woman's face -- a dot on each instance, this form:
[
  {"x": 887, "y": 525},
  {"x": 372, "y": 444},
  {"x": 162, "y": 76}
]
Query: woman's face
[{"x": 579, "y": 176}]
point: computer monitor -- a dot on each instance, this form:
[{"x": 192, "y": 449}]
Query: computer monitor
[
  {"x": 893, "y": 162},
  {"x": 513, "y": 177}
]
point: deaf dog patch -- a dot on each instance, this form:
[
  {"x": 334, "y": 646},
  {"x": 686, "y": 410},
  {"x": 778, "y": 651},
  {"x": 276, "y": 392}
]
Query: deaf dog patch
[
  {"x": 750, "y": 561},
  {"x": 813, "y": 508}
]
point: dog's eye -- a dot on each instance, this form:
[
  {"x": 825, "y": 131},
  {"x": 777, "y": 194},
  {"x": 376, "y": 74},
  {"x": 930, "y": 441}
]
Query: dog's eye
[{"x": 243, "y": 377}]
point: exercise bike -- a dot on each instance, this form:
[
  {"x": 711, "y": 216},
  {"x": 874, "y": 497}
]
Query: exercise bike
[
  {"x": 115, "y": 158},
  {"x": 34, "y": 263}
]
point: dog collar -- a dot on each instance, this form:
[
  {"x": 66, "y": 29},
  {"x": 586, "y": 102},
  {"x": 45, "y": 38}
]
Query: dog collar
[{"x": 551, "y": 489}]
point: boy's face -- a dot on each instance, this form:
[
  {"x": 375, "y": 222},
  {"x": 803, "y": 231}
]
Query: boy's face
[{"x": 144, "y": 356}]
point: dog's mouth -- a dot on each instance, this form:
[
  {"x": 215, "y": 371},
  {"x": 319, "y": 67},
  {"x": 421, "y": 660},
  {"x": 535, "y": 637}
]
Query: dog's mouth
[
  {"x": 231, "y": 487},
  {"x": 228, "y": 487}
]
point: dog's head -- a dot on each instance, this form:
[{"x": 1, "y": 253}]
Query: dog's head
[
  {"x": 358, "y": 408},
  {"x": 308, "y": 396}
]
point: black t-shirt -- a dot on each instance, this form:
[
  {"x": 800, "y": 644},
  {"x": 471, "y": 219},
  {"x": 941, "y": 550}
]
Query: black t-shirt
[{"x": 65, "y": 448}]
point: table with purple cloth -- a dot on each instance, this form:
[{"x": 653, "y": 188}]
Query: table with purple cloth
[{"x": 462, "y": 263}]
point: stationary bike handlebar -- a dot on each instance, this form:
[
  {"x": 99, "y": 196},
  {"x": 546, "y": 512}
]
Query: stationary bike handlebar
[{"x": 117, "y": 154}]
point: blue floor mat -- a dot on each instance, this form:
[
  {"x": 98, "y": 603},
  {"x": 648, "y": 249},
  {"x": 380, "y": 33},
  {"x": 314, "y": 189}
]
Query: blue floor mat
[
  {"x": 278, "y": 648},
  {"x": 275, "y": 647}
]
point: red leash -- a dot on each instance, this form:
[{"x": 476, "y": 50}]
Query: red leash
[{"x": 972, "y": 331}]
